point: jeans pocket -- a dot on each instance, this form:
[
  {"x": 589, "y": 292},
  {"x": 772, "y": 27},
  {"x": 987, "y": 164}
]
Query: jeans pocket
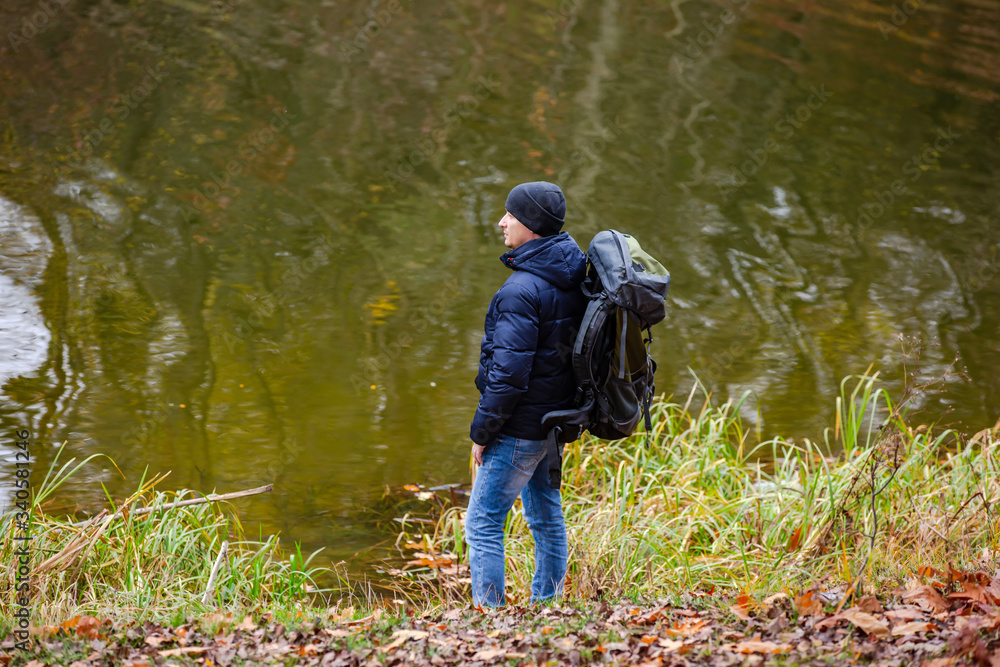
[{"x": 528, "y": 454}]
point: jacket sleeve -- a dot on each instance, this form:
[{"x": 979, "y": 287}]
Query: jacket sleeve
[
  {"x": 484, "y": 353},
  {"x": 515, "y": 340}
]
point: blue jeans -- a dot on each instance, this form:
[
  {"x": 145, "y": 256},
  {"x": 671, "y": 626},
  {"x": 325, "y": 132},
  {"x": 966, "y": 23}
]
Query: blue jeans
[{"x": 514, "y": 466}]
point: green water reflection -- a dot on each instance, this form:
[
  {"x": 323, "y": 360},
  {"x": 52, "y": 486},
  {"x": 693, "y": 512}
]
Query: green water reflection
[{"x": 254, "y": 241}]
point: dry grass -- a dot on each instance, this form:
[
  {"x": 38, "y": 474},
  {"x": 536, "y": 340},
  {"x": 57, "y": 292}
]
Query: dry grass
[{"x": 127, "y": 565}]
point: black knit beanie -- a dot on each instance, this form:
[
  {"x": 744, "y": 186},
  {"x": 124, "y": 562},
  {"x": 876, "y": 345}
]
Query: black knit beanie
[{"x": 540, "y": 206}]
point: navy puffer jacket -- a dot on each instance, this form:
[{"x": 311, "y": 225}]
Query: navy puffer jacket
[{"x": 525, "y": 366}]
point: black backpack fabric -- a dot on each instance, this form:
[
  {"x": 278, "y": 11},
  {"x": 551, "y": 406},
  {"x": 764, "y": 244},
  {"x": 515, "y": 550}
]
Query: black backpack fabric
[{"x": 625, "y": 289}]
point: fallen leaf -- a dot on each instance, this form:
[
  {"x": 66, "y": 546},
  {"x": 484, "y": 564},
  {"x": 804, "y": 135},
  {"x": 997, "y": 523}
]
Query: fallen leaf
[
  {"x": 981, "y": 578},
  {"x": 905, "y": 614},
  {"x": 912, "y": 628},
  {"x": 927, "y": 598},
  {"x": 777, "y": 625},
  {"x": 339, "y": 615},
  {"x": 758, "y": 646},
  {"x": 652, "y": 616},
  {"x": 993, "y": 590},
  {"x": 829, "y": 622},
  {"x": 740, "y": 612},
  {"x": 648, "y": 639},
  {"x": 336, "y": 634},
  {"x": 972, "y": 592},
  {"x": 687, "y": 628},
  {"x": 431, "y": 562},
  {"x": 87, "y": 626},
  {"x": 988, "y": 623},
  {"x": 741, "y": 608},
  {"x": 940, "y": 662},
  {"x": 870, "y": 604},
  {"x": 400, "y": 636},
  {"x": 44, "y": 630},
  {"x": 247, "y": 624},
  {"x": 807, "y": 605},
  {"x": 184, "y": 650},
  {"x": 565, "y": 643},
  {"x": 490, "y": 654},
  {"x": 670, "y": 645},
  {"x": 866, "y": 622},
  {"x": 375, "y": 616},
  {"x": 155, "y": 640},
  {"x": 793, "y": 541}
]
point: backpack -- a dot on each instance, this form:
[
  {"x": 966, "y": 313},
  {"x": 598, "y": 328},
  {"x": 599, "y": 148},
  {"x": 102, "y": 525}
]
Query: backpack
[{"x": 625, "y": 288}]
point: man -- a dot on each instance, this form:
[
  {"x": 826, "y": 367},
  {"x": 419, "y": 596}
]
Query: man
[{"x": 524, "y": 372}]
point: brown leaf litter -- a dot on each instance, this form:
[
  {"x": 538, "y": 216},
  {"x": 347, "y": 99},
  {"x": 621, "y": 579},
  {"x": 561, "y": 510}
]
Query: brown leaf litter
[{"x": 950, "y": 622}]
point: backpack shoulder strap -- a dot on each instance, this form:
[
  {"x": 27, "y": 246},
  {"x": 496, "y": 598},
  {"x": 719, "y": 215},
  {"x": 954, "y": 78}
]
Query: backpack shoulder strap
[{"x": 591, "y": 330}]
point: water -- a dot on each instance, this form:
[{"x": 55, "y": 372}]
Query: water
[{"x": 252, "y": 242}]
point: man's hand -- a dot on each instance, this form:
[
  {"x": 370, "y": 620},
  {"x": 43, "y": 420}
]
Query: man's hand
[{"x": 477, "y": 453}]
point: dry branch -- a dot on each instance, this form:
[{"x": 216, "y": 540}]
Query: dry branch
[
  {"x": 215, "y": 570},
  {"x": 188, "y": 503}
]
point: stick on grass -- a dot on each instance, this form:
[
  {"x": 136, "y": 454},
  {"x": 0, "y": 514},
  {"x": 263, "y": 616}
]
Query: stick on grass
[
  {"x": 193, "y": 501},
  {"x": 215, "y": 570}
]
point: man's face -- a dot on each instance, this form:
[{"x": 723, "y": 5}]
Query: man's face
[{"x": 514, "y": 233}]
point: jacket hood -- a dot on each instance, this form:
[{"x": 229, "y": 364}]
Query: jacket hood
[{"x": 557, "y": 259}]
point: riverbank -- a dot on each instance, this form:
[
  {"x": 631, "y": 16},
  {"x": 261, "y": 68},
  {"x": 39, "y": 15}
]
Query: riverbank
[
  {"x": 706, "y": 507},
  {"x": 157, "y": 556},
  {"x": 877, "y": 545}
]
